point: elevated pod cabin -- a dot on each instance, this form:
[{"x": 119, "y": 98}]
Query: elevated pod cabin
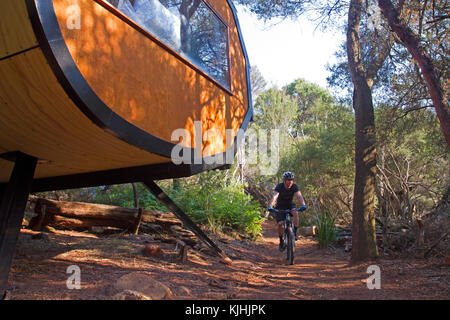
[{"x": 96, "y": 92}]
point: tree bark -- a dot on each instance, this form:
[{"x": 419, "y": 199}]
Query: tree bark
[
  {"x": 136, "y": 196},
  {"x": 412, "y": 43},
  {"x": 187, "y": 9},
  {"x": 363, "y": 219},
  {"x": 82, "y": 215}
]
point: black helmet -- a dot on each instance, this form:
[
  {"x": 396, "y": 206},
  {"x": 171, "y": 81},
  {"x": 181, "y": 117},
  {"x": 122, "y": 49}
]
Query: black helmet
[{"x": 288, "y": 175}]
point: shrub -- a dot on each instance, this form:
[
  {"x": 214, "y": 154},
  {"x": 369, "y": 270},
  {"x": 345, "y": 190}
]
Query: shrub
[
  {"x": 220, "y": 207},
  {"x": 208, "y": 198},
  {"x": 326, "y": 228},
  {"x": 230, "y": 206}
]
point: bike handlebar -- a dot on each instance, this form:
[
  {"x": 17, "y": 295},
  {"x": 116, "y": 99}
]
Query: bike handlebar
[
  {"x": 273, "y": 210},
  {"x": 285, "y": 210}
]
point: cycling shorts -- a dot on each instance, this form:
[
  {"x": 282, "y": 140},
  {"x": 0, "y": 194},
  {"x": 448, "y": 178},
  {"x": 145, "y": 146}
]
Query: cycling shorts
[{"x": 282, "y": 216}]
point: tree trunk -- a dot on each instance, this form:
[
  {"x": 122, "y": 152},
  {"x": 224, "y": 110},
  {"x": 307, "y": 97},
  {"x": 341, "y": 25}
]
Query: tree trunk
[
  {"x": 363, "y": 227},
  {"x": 176, "y": 185},
  {"x": 419, "y": 54},
  {"x": 363, "y": 219},
  {"x": 136, "y": 196},
  {"x": 187, "y": 9}
]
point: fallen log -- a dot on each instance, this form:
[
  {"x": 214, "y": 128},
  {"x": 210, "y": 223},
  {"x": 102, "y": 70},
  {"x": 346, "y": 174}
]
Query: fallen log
[{"x": 80, "y": 215}]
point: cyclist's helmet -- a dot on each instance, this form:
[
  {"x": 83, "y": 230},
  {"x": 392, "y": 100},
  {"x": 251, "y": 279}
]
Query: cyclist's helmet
[{"x": 288, "y": 175}]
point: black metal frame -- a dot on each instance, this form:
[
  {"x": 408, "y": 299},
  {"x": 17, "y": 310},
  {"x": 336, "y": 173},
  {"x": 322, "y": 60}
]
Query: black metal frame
[
  {"x": 164, "y": 199},
  {"x": 53, "y": 45},
  {"x": 289, "y": 238},
  {"x": 13, "y": 199},
  {"x": 158, "y": 171},
  {"x": 118, "y": 176},
  {"x": 288, "y": 235},
  {"x": 14, "y": 194}
]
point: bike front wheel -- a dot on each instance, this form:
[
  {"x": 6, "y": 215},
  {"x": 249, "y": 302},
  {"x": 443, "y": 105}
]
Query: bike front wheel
[{"x": 290, "y": 245}]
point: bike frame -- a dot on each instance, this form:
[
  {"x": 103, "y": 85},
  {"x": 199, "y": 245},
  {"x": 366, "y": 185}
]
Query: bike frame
[{"x": 289, "y": 237}]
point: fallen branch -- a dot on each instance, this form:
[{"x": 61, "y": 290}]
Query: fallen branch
[{"x": 425, "y": 255}]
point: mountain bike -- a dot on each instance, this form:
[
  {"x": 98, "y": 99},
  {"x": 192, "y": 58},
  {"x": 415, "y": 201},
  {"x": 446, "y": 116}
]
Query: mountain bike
[{"x": 289, "y": 236}]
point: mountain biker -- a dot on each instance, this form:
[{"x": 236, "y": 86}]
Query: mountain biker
[{"x": 282, "y": 199}]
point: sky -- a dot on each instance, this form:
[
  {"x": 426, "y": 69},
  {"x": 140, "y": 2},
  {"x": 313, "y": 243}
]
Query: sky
[{"x": 288, "y": 50}]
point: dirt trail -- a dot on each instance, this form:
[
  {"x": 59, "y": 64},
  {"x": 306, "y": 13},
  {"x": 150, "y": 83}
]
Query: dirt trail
[{"x": 258, "y": 270}]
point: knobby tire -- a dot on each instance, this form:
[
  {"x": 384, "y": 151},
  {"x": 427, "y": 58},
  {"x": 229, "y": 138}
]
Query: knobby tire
[{"x": 290, "y": 245}]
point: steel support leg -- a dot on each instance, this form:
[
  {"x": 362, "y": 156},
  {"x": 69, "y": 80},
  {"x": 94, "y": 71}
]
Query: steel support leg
[
  {"x": 165, "y": 200},
  {"x": 13, "y": 199}
]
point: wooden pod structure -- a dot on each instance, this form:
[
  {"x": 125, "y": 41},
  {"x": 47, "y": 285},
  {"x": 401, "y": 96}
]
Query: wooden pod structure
[{"x": 108, "y": 91}]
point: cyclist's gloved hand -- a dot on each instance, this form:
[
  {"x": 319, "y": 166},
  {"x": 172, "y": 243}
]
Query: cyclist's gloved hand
[
  {"x": 270, "y": 209},
  {"x": 302, "y": 208}
]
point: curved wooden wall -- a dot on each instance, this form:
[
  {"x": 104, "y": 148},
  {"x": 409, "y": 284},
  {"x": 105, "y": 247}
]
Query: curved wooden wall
[
  {"x": 147, "y": 85},
  {"x": 43, "y": 112},
  {"x": 38, "y": 118}
]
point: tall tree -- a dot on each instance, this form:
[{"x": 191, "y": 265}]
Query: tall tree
[
  {"x": 412, "y": 43},
  {"x": 364, "y": 63},
  {"x": 257, "y": 80},
  {"x": 363, "y": 222}
]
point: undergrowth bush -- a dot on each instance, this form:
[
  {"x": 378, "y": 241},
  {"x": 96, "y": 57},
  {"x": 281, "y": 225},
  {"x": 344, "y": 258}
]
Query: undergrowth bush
[
  {"x": 227, "y": 205},
  {"x": 326, "y": 229},
  {"x": 210, "y": 198}
]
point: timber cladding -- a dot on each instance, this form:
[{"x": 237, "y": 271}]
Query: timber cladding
[
  {"x": 14, "y": 39},
  {"x": 145, "y": 83},
  {"x": 38, "y": 118},
  {"x": 105, "y": 96}
]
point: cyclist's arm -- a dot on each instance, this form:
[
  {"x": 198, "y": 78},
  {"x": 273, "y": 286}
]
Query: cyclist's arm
[
  {"x": 300, "y": 198},
  {"x": 274, "y": 199}
]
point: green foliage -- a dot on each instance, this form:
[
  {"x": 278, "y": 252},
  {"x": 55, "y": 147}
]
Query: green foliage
[
  {"x": 210, "y": 198},
  {"x": 326, "y": 229},
  {"x": 123, "y": 195},
  {"x": 258, "y": 83},
  {"x": 274, "y": 109},
  {"x": 322, "y": 155},
  {"x": 305, "y": 219},
  {"x": 232, "y": 207},
  {"x": 268, "y": 9},
  {"x": 413, "y": 162}
]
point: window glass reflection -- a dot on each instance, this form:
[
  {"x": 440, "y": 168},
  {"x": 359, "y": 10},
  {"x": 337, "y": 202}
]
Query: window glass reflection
[{"x": 187, "y": 26}]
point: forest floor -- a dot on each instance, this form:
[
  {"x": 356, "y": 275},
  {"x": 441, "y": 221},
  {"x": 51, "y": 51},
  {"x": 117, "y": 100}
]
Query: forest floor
[{"x": 39, "y": 270}]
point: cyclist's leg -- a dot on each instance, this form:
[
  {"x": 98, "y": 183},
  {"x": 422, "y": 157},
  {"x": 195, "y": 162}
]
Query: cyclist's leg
[
  {"x": 280, "y": 229},
  {"x": 280, "y": 217},
  {"x": 294, "y": 215},
  {"x": 295, "y": 218}
]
